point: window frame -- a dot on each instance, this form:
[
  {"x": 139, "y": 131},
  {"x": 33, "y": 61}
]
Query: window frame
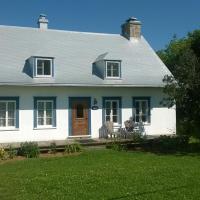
[
  {"x": 16, "y": 112},
  {"x": 36, "y": 67},
  {"x": 119, "y": 68},
  {"x": 148, "y": 114},
  {"x": 45, "y": 115},
  {"x": 119, "y": 115},
  {"x": 44, "y": 99}
]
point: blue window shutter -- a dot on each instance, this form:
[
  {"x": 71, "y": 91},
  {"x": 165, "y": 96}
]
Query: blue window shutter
[
  {"x": 54, "y": 111},
  {"x": 35, "y": 113},
  {"x": 149, "y": 111},
  {"x": 17, "y": 112}
]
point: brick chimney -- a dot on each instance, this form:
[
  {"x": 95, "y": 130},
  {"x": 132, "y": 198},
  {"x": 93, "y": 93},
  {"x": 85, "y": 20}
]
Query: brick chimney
[
  {"x": 131, "y": 29},
  {"x": 43, "y": 22}
]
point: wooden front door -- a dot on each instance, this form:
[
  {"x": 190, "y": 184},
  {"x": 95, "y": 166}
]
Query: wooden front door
[{"x": 80, "y": 115}]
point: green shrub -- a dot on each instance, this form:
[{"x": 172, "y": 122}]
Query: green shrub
[
  {"x": 29, "y": 149},
  {"x": 53, "y": 148},
  {"x": 72, "y": 148},
  {"x": 11, "y": 152},
  {"x": 116, "y": 145},
  {"x": 170, "y": 143},
  {"x": 3, "y": 154}
]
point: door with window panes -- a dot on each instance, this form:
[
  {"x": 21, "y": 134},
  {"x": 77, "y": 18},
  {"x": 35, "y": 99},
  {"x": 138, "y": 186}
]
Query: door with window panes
[
  {"x": 80, "y": 116},
  {"x": 112, "y": 111},
  {"x": 141, "y": 111}
]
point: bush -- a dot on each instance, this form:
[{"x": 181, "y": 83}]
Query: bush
[
  {"x": 11, "y": 152},
  {"x": 72, "y": 148},
  {"x": 29, "y": 149},
  {"x": 170, "y": 143},
  {"x": 117, "y": 146},
  {"x": 3, "y": 154},
  {"x": 53, "y": 148}
]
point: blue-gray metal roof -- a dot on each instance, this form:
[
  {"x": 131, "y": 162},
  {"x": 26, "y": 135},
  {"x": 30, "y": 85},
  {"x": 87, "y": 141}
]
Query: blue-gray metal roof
[{"x": 74, "y": 53}]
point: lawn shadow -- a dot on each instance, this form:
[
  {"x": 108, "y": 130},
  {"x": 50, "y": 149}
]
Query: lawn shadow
[{"x": 149, "y": 192}]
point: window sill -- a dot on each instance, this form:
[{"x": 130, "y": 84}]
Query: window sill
[
  {"x": 113, "y": 78},
  {"x": 44, "y": 128},
  {"x": 43, "y": 76},
  {"x": 9, "y": 129}
]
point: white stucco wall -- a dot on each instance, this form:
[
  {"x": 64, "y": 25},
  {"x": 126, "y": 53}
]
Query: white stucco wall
[{"x": 163, "y": 120}]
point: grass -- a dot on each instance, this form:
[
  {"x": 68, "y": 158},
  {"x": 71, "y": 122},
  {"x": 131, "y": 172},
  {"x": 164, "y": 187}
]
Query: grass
[{"x": 102, "y": 174}]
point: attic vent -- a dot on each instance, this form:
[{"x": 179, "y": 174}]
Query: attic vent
[{"x": 43, "y": 22}]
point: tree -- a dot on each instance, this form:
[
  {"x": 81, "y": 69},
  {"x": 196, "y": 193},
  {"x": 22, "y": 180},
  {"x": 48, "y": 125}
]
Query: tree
[{"x": 182, "y": 57}]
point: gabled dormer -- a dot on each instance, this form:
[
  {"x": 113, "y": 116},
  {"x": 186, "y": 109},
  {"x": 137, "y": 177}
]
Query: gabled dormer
[{"x": 107, "y": 68}]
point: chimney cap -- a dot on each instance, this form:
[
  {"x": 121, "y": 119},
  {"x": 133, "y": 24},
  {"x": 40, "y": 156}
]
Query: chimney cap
[
  {"x": 42, "y": 18},
  {"x": 133, "y": 20}
]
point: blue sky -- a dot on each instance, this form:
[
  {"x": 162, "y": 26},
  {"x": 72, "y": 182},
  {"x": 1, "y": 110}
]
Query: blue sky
[{"x": 161, "y": 18}]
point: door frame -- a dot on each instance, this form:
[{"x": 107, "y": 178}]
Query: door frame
[{"x": 71, "y": 99}]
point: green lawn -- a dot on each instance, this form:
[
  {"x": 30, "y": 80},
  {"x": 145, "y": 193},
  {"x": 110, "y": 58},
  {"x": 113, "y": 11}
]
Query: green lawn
[{"x": 102, "y": 174}]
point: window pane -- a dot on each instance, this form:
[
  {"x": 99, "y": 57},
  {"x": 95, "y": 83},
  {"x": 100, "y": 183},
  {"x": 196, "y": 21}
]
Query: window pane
[
  {"x": 40, "y": 121},
  {"x": 144, "y": 118},
  {"x": 137, "y": 107},
  {"x": 144, "y": 107},
  {"x": 2, "y": 105},
  {"x": 40, "y": 105},
  {"x": 11, "y": 106},
  {"x": 2, "y": 122},
  {"x": 107, "y": 118},
  {"x": 2, "y": 114},
  {"x": 11, "y": 122},
  {"x": 137, "y": 118},
  {"x": 109, "y": 73},
  {"x": 47, "y": 67},
  {"x": 41, "y": 113},
  {"x": 79, "y": 111},
  {"x": 115, "y": 119},
  {"x": 108, "y": 104},
  {"x": 114, "y": 104},
  {"x": 40, "y": 63},
  {"x": 108, "y": 111},
  {"x": 39, "y": 70},
  {"x": 49, "y": 121},
  {"x": 49, "y": 105},
  {"x": 114, "y": 111},
  {"x": 116, "y": 70},
  {"x": 48, "y": 113},
  {"x": 11, "y": 114}
]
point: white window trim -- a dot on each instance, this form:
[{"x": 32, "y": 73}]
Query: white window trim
[
  {"x": 36, "y": 68},
  {"x": 119, "y": 67},
  {"x": 140, "y": 110},
  {"x": 9, "y": 127},
  {"x": 111, "y": 114},
  {"x": 44, "y": 126}
]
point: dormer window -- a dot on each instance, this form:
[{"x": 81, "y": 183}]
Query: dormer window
[
  {"x": 43, "y": 67},
  {"x": 113, "y": 69}
]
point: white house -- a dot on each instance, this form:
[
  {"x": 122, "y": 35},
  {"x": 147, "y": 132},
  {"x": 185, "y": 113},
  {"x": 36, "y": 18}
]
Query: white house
[{"x": 57, "y": 84}]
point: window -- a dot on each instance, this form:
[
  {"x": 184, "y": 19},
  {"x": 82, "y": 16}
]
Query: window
[
  {"x": 45, "y": 114},
  {"x": 9, "y": 114},
  {"x": 43, "y": 67},
  {"x": 142, "y": 109},
  {"x": 79, "y": 111},
  {"x": 113, "y": 69},
  {"x": 112, "y": 109}
]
